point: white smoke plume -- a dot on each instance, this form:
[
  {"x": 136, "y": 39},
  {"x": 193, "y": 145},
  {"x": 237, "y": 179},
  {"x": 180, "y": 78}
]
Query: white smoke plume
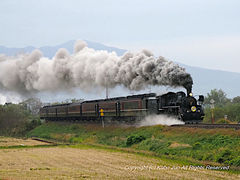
[
  {"x": 159, "y": 119},
  {"x": 87, "y": 68},
  {"x": 9, "y": 97}
]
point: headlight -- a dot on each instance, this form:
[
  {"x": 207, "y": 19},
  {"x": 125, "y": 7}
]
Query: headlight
[{"x": 193, "y": 108}]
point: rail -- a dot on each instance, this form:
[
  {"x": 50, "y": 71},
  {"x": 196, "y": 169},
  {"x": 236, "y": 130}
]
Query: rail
[{"x": 209, "y": 126}]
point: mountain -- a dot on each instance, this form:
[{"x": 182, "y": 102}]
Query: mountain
[
  {"x": 204, "y": 79},
  {"x": 207, "y": 79},
  {"x": 49, "y": 51},
  {"x": 15, "y": 51}
]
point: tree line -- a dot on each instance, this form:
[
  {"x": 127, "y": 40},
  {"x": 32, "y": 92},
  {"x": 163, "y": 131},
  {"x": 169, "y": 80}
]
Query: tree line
[
  {"x": 226, "y": 110},
  {"x": 16, "y": 120}
]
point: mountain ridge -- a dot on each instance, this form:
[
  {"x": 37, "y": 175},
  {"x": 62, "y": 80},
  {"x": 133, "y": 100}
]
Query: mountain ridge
[{"x": 49, "y": 51}]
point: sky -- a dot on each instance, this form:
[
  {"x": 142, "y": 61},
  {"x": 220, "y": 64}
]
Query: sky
[{"x": 204, "y": 33}]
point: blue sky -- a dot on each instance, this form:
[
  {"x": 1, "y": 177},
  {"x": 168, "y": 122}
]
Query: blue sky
[{"x": 203, "y": 33}]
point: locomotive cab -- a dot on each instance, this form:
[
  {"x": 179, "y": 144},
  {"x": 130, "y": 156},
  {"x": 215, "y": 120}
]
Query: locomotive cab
[
  {"x": 200, "y": 99},
  {"x": 152, "y": 105}
]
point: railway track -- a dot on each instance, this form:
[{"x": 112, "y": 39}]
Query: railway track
[{"x": 209, "y": 126}]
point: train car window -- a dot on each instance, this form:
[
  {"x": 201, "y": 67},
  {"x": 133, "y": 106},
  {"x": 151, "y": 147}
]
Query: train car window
[
  {"x": 73, "y": 108},
  {"x": 179, "y": 97},
  {"x": 131, "y": 104},
  {"x": 88, "y": 107},
  {"x": 62, "y": 109},
  {"x": 152, "y": 101},
  {"x": 107, "y": 105},
  {"x": 51, "y": 110}
]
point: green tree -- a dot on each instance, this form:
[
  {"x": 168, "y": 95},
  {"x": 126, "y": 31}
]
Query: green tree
[
  {"x": 236, "y": 100},
  {"x": 32, "y": 104},
  {"x": 76, "y": 100},
  {"x": 15, "y": 119},
  {"x": 219, "y": 97},
  {"x": 12, "y": 116}
]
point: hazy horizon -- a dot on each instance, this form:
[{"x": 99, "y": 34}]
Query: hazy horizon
[{"x": 197, "y": 33}]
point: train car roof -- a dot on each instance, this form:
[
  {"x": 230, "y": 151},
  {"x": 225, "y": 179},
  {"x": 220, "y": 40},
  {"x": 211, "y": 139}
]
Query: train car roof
[
  {"x": 57, "y": 105},
  {"x": 138, "y": 96},
  {"x": 124, "y": 97},
  {"x": 142, "y": 95}
]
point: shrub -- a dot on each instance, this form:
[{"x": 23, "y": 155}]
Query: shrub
[
  {"x": 225, "y": 156},
  {"x": 33, "y": 124},
  {"x": 222, "y": 141},
  {"x": 223, "y": 121},
  {"x": 75, "y": 139},
  {"x": 235, "y": 161},
  {"x": 198, "y": 156},
  {"x": 197, "y": 145},
  {"x": 155, "y": 145},
  {"x": 134, "y": 139},
  {"x": 208, "y": 157}
]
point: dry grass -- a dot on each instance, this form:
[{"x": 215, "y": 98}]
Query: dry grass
[
  {"x": 75, "y": 163},
  {"x": 175, "y": 144},
  {"x": 6, "y": 142},
  {"x": 62, "y": 137}
]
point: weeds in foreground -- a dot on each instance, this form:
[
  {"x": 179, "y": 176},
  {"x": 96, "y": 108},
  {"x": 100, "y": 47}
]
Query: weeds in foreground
[{"x": 220, "y": 146}]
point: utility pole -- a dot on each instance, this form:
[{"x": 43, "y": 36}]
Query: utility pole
[
  {"x": 106, "y": 90},
  {"x": 106, "y": 83},
  {"x": 212, "y": 110}
]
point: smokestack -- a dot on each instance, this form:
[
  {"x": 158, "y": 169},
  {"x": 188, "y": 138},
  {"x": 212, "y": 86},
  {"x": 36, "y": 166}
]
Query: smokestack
[
  {"x": 87, "y": 69},
  {"x": 188, "y": 87},
  {"x": 189, "y": 91}
]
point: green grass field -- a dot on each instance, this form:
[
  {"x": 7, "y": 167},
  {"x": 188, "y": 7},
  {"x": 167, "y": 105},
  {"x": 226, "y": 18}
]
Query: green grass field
[{"x": 185, "y": 145}]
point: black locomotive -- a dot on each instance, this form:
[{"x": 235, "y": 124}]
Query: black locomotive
[{"x": 129, "y": 109}]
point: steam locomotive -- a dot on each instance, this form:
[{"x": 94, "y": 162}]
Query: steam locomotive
[{"x": 129, "y": 109}]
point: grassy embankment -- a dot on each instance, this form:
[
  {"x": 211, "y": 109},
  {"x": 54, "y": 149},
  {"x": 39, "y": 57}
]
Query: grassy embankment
[{"x": 184, "y": 145}]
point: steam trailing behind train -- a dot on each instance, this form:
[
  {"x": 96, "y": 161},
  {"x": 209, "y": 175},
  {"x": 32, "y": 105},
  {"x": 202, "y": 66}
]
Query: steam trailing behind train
[{"x": 130, "y": 109}]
